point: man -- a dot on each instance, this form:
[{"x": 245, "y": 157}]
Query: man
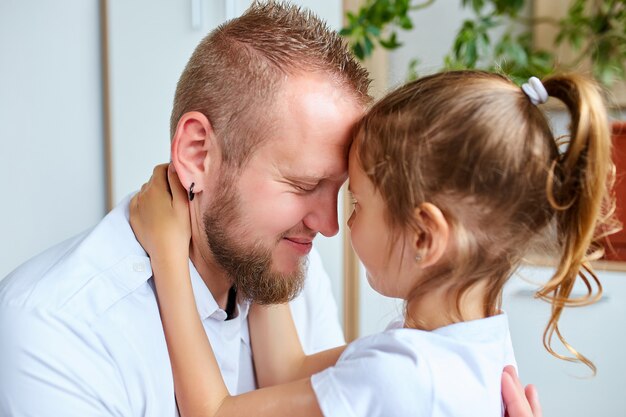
[{"x": 260, "y": 133}]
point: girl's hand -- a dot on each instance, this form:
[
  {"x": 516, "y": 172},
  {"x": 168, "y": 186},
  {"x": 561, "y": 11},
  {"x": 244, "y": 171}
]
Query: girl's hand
[{"x": 159, "y": 215}]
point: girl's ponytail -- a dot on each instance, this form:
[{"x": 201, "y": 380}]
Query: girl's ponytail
[{"x": 579, "y": 190}]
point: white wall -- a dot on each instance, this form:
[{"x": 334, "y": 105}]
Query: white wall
[
  {"x": 51, "y": 174},
  {"x": 597, "y": 331}
]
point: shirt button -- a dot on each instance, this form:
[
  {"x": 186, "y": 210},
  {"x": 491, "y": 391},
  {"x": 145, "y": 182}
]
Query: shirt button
[{"x": 139, "y": 267}]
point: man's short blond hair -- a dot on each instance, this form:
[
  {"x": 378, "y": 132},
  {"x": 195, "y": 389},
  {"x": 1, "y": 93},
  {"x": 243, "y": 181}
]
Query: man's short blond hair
[{"x": 236, "y": 72}]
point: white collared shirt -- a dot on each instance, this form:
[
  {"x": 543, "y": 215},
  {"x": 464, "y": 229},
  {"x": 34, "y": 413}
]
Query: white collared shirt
[{"x": 80, "y": 333}]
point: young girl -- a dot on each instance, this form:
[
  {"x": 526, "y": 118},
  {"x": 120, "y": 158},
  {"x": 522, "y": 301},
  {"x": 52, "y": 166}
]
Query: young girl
[{"x": 453, "y": 175}]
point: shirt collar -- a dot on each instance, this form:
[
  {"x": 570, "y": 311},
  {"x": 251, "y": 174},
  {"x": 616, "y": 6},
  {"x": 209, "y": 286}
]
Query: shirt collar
[
  {"x": 111, "y": 245},
  {"x": 207, "y": 306},
  {"x": 122, "y": 244}
]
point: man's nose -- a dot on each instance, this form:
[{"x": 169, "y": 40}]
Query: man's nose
[{"x": 322, "y": 216}]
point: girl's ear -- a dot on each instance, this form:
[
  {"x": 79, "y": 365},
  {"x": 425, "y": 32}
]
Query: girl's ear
[
  {"x": 194, "y": 150},
  {"x": 431, "y": 241}
]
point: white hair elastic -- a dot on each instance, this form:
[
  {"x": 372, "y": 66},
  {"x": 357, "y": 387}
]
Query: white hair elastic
[{"x": 535, "y": 91}]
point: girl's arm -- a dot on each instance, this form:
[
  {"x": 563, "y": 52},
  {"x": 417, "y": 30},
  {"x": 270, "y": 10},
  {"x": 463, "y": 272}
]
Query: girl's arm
[
  {"x": 278, "y": 354},
  {"x": 198, "y": 383},
  {"x": 160, "y": 221}
]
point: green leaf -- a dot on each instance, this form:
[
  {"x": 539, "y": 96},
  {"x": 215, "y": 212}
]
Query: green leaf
[
  {"x": 345, "y": 32},
  {"x": 406, "y": 23},
  {"x": 368, "y": 46},
  {"x": 358, "y": 51},
  {"x": 373, "y": 30},
  {"x": 477, "y": 5},
  {"x": 391, "y": 43},
  {"x": 508, "y": 7}
]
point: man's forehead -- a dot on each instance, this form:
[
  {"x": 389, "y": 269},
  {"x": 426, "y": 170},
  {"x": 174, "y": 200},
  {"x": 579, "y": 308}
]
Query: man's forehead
[{"x": 312, "y": 164}]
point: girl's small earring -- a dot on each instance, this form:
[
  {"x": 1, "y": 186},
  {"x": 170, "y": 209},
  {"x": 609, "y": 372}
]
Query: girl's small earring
[
  {"x": 418, "y": 258},
  {"x": 191, "y": 194}
]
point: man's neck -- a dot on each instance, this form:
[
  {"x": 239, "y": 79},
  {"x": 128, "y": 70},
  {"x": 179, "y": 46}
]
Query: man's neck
[{"x": 213, "y": 276}]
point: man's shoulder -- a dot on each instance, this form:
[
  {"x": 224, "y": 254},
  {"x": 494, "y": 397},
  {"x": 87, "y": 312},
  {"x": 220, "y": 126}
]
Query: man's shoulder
[
  {"x": 83, "y": 276},
  {"x": 39, "y": 280}
]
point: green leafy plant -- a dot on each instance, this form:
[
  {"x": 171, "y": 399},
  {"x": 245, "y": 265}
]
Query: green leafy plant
[
  {"x": 365, "y": 28},
  {"x": 593, "y": 29}
]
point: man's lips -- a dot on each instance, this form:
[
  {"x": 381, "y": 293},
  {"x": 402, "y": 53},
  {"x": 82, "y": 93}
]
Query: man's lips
[
  {"x": 301, "y": 244},
  {"x": 300, "y": 240}
]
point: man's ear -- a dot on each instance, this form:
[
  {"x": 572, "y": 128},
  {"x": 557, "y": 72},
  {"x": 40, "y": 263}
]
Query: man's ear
[
  {"x": 193, "y": 150},
  {"x": 431, "y": 241}
]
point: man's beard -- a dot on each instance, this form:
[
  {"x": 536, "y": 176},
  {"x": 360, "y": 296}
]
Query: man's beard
[{"x": 249, "y": 266}]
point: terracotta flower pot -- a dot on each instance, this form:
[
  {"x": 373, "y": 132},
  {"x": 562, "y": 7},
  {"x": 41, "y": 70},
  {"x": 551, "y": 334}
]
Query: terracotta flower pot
[{"x": 616, "y": 247}]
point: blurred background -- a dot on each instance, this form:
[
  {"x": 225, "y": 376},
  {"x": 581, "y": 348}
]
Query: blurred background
[{"x": 86, "y": 88}]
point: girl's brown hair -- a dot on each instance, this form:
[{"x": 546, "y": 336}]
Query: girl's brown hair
[{"x": 474, "y": 145}]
